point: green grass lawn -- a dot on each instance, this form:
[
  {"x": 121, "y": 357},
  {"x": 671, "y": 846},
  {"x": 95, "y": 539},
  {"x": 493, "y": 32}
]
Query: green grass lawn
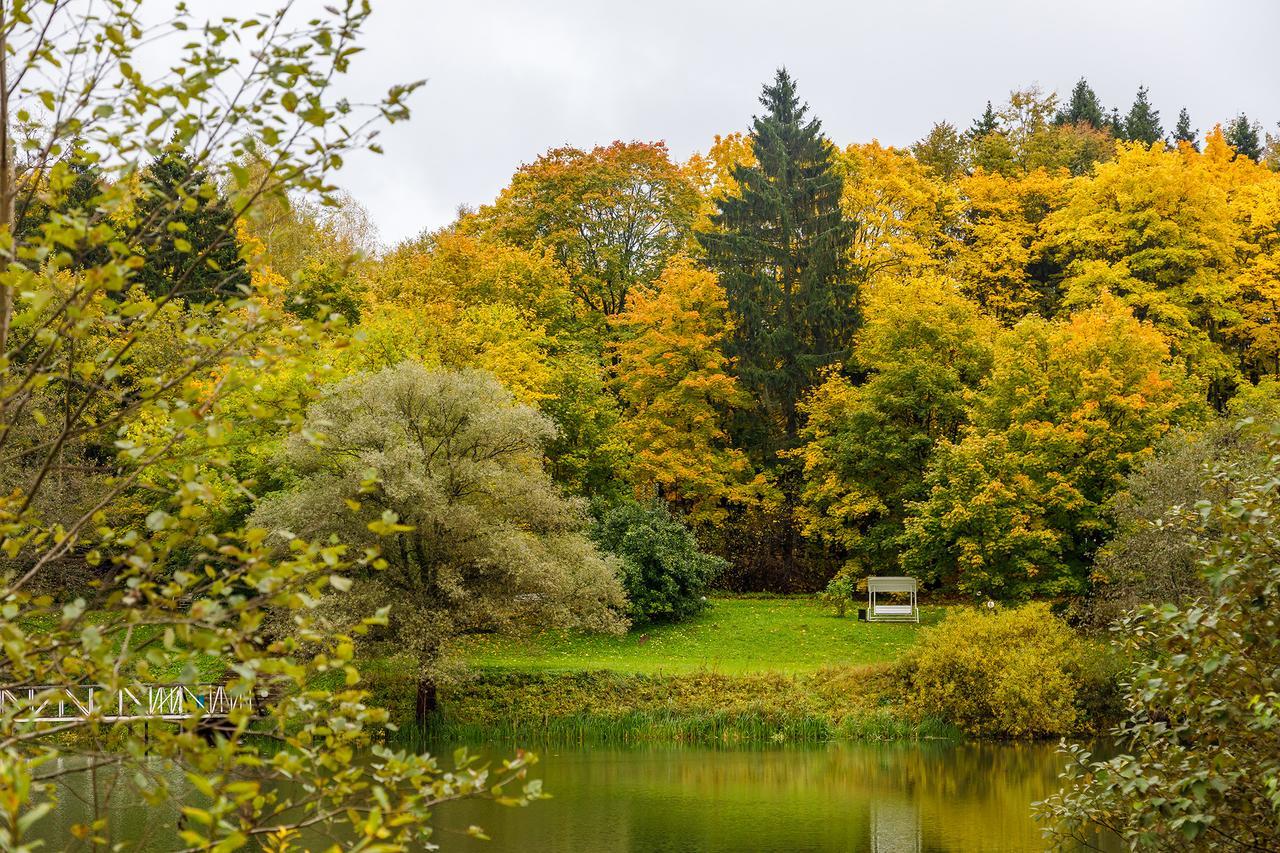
[{"x": 734, "y": 635}]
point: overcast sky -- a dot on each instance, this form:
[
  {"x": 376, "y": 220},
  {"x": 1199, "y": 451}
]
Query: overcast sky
[{"x": 508, "y": 79}]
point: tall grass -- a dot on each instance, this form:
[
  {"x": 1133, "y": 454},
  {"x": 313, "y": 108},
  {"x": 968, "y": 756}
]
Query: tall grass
[{"x": 747, "y": 728}]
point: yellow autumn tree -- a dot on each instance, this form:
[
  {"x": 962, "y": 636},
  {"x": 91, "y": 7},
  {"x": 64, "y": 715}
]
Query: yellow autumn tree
[
  {"x": 999, "y": 258},
  {"x": 712, "y": 174},
  {"x": 1019, "y": 504},
  {"x": 1158, "y": 229},
  {"x": 1253, "y": 200},
  {"x": 902, "y": 211},
  {"x": 674, "y": 382},
  {"x": 453, "y": 266}
]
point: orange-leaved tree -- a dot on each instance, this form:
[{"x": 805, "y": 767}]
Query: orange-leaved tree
[
  {"x": 612, "y": 216},
  {"x": 674, "y": 381}
]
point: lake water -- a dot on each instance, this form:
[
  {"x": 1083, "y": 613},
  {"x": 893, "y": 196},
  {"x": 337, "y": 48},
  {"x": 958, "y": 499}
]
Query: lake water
[
  {"x": 933, "y": 796},
  {"x": 840, "y": 797}
]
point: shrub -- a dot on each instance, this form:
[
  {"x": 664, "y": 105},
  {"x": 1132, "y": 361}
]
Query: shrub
[
  {"x": 1199, "y": 766},
  {"x": 1005, "y": 673},
  {"x": 665, "y": 575},
  {"x": 1154, "y": 557},
  {"x": 839, "y": 593}
]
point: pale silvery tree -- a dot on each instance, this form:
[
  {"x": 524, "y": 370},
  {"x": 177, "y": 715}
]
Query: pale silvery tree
[{"x": 445, "y": 470}]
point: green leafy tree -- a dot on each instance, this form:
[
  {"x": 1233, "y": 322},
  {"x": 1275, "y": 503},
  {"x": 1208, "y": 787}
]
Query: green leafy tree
[
  {"x": 1084, "y": 106},
  {"x": 1245, "y": 136},
  {"x": 1115, "y": 124},
  {"x": 1142, "y": 124},
  {"x": 71, "y": 186},
  {"x": 665, "y": 575},
  {"x": 449, "y": 467},
  {"x": 1153, "y": 558},
  {"x": 923, "y": 350},
  {"x": 1199, "y": 753},
  {"x": 197, "y": 256},
  {"x": 1184, "y": 132},
  {"x": 943, "y": 151},
  {"x": 779, "y": 247},
  {"x": 589, "y": 455},
  {"x": 1020, "y": 504},
  {"x": 325, "y": 288}
]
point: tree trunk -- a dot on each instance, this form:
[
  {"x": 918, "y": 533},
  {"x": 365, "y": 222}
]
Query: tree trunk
[{"x": 427, "y": 703}]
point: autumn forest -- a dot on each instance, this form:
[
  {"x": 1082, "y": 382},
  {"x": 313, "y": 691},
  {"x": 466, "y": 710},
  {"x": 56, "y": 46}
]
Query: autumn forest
[{"x": 617, "y": 460}]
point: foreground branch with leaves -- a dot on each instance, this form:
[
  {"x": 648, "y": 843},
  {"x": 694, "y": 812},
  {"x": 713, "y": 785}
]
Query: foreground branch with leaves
[
  {"x": 1199, "y": 752},
  {"x": 131, "y": 316}
]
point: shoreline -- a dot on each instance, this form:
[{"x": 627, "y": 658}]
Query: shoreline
[{"x": 601, "y": 707}]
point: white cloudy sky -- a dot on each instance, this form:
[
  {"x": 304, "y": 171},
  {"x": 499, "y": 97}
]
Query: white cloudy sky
[{"x": 508, "y": 79}]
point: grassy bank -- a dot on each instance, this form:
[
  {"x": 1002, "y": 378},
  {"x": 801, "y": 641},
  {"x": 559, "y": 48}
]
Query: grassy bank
[
  {"x": 748, "y": 670},
  {"x": 734, "y": 635},
  {"x": 697, "y": 707}
]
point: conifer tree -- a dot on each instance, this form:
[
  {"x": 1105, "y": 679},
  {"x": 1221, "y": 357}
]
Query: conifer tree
[
  {"x": 1143, "y": 122},
  {"x": 198, "y": 257},
  {"x": 1245, "y": 137},
  {"x": 780, "y": 247},
  {"x": 1183, "y": 132},
  {"x": 1084, "y": 106},
  {"x": 77, "y": 190},
  {"x": 1115, "y": 124},
  {"x": 988, "y": 122}
]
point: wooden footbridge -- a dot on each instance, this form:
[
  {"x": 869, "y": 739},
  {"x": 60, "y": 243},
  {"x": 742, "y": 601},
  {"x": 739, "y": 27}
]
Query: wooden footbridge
[{"x": 56, "y": 704}]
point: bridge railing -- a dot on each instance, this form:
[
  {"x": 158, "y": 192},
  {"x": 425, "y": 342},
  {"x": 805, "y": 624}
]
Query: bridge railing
[{"x": 63, "y": 703}]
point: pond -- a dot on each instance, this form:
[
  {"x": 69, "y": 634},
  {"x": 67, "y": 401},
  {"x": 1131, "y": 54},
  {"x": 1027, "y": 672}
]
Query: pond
[
  {"x": 935, "y": 796},
  {"x": 931, "y": 796}
]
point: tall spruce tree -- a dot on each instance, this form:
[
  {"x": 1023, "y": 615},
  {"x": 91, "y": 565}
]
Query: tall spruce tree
[
  {"x": 1245, "y": 136},
  {"x": 199, "y": 260},
  {"x": 1084, "y": 106},
  {"x": 1115, "y": 124},
  {"x": 780, "y": 247},
  {"x": 1142, "y": 124},
  {"x": 1184, "y": 132},
  {"x": 986, "y": 123}
]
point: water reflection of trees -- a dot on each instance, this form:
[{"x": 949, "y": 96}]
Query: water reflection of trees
[{"x": 936, "y": 797}]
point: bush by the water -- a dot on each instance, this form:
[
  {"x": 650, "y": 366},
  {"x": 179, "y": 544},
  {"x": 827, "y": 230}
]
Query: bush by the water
[
  {"x": 665, "y": 575},
  {"x": 1017, "y": 672},
  {"x": 1200, "y": 764}
]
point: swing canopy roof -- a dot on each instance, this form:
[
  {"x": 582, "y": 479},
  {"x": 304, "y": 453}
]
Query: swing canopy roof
[{"x": 891, "y": 584}]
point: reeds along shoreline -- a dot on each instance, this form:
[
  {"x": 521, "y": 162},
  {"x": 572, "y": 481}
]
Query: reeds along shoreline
[{"x": 729, "y": 729}]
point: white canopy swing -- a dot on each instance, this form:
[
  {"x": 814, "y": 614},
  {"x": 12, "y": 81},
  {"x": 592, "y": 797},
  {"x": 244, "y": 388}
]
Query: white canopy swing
[{"x": 894, "y": 612}]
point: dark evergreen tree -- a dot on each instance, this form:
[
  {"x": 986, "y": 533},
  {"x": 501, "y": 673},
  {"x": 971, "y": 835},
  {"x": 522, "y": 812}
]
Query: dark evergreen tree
[
  {"x": 1115, "y": 124},
  {"x": 200, "y": 260},
  {"x": 780, "y": 249},
  {"x": 988, "y": 122},
  {"x": 1084, "y": 106},
  {"x": 1184, "y": 132},
  {"x": 1143, "y": 122},
  {"x": 72, "y": 191},
  {"x": 1245, "y": 137}
]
